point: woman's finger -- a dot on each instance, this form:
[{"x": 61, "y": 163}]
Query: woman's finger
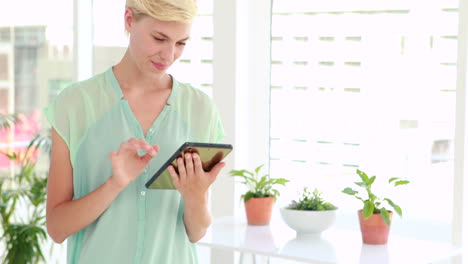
[
  {"x": 188, "y": 164},
  {"x": 197, "y": 164},
  {"x": 216, "y": 169},
  {"x": 135, "y": 144},
  {"x": 113, "y": 156},
  {"x": 125, "y": 146},
  {"x": 129, "y": 144},
  {"x": 147, "y": 158},
  {"x": 132, "y": 140},
  {"x": 181, "y": 168},
  {"x": 156, "y": 148},
  {"x": 142, "y": 144},
  {"x": 175, "y": 177}
]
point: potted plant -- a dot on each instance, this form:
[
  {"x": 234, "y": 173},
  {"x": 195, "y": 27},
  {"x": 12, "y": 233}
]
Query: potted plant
[
  {"x": 22, "y": 207},
  {"x": 310, "y": 214},
  {"x": 374, "y": 218},
  {"x": 260, "y": 196}
]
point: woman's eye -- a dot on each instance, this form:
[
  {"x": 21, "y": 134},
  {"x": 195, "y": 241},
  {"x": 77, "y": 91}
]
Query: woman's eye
[
  {"x": 181, "y": 43},
  {"x": 158, "y": 39}
]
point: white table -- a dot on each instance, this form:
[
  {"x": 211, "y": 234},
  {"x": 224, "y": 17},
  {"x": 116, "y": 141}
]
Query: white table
[{"x": 333, "y": 246}]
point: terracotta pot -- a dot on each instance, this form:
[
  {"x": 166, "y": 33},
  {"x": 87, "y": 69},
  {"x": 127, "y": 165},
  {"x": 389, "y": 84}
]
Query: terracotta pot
[
  {"x": 258, "y": 210},
  {"x": 373, "y": 229}
]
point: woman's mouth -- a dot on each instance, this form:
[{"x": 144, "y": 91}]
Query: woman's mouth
[{"x": 159, "y": 66}]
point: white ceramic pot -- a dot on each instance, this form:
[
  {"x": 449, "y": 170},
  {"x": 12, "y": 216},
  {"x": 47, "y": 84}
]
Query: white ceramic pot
[{"x": 308, "y": 222}]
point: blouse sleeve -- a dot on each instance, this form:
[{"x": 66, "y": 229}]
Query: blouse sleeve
[
  {"x": 58, "y": 117},
  {"x": 70, "y": 114}
]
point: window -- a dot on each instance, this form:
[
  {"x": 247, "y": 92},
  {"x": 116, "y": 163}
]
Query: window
[
  {"x": 4, "y": 66},
  {"x": 28, "y": 64},
  {"x": 35, "y": 51},
  {"x": 196, "y": 63},
  {"x": 371, "y": 86}
]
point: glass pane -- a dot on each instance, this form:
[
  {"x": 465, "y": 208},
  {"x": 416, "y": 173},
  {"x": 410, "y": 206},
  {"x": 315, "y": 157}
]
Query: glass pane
[
  {"x": 373, "y": 84},
  {"x": 35, "y": 52},
  {"x": 36, "y": 43}
]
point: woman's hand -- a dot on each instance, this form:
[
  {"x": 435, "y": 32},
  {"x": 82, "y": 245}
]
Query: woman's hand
[
  {"x": 192, "y": 181},
  {"x": 127, "y": 164}
]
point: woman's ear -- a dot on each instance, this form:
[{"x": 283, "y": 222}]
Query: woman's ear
[{"x": 129, "y": 19}]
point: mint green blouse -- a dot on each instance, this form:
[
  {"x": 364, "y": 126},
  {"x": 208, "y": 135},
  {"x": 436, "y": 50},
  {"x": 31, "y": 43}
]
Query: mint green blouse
[{"x": 140, "y": 225}]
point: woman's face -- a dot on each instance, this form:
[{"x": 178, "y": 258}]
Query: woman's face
[{"x": 155, "y": 44}]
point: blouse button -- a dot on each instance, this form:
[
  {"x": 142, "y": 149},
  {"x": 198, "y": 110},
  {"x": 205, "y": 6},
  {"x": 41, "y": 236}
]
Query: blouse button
[{"x": 142, "y": 193}]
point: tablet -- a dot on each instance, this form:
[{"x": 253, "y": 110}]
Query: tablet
[{"x": 210, "y": 154}]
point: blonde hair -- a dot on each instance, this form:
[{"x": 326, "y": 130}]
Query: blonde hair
[{"x": 167, "y": 10}]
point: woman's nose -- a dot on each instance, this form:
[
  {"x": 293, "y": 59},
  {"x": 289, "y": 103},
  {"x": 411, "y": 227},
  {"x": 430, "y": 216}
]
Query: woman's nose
[{"x": 167, "y": 52}]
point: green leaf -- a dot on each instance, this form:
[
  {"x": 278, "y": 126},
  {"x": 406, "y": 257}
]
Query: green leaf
[
  {"x": 11, "y": 156},
  {"x": 349, "y": 191},
  {"x": 361, "y": 184},
  {"x": 402, "y": 182},
  {"x": 371, "y": 181},
  {"x": 393, "y": 179},
  {"x": 243, "y": 175},
  {"x": 275, "y": 194},
  {"x": 262, "y": 183},
  {"x": 395, "y": 207},
  {"x": 38, "y": 141},
  {"x": 280, "y": 181},
  {"x": 368, "y": 209},
  {"x": 23, "y": 243},
  {"x": 363, "y": 175},
  {"x": 248, "y": 196},
  {"x": 237, "y": 172},
  {"x": 311, "y": 202},
  {"x": 376, "y": 204},
  {"x": 385, "y": 216},
  {"x": 257, "y": 170},
  {"x": 259, "y": 186}
]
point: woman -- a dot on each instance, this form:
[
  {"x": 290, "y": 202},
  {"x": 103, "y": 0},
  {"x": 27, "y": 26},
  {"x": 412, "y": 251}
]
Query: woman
[{"x": 106, "y": 134}]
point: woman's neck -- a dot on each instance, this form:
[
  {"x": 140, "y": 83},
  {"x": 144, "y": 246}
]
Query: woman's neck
[{"x": 132, "y": 79}]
